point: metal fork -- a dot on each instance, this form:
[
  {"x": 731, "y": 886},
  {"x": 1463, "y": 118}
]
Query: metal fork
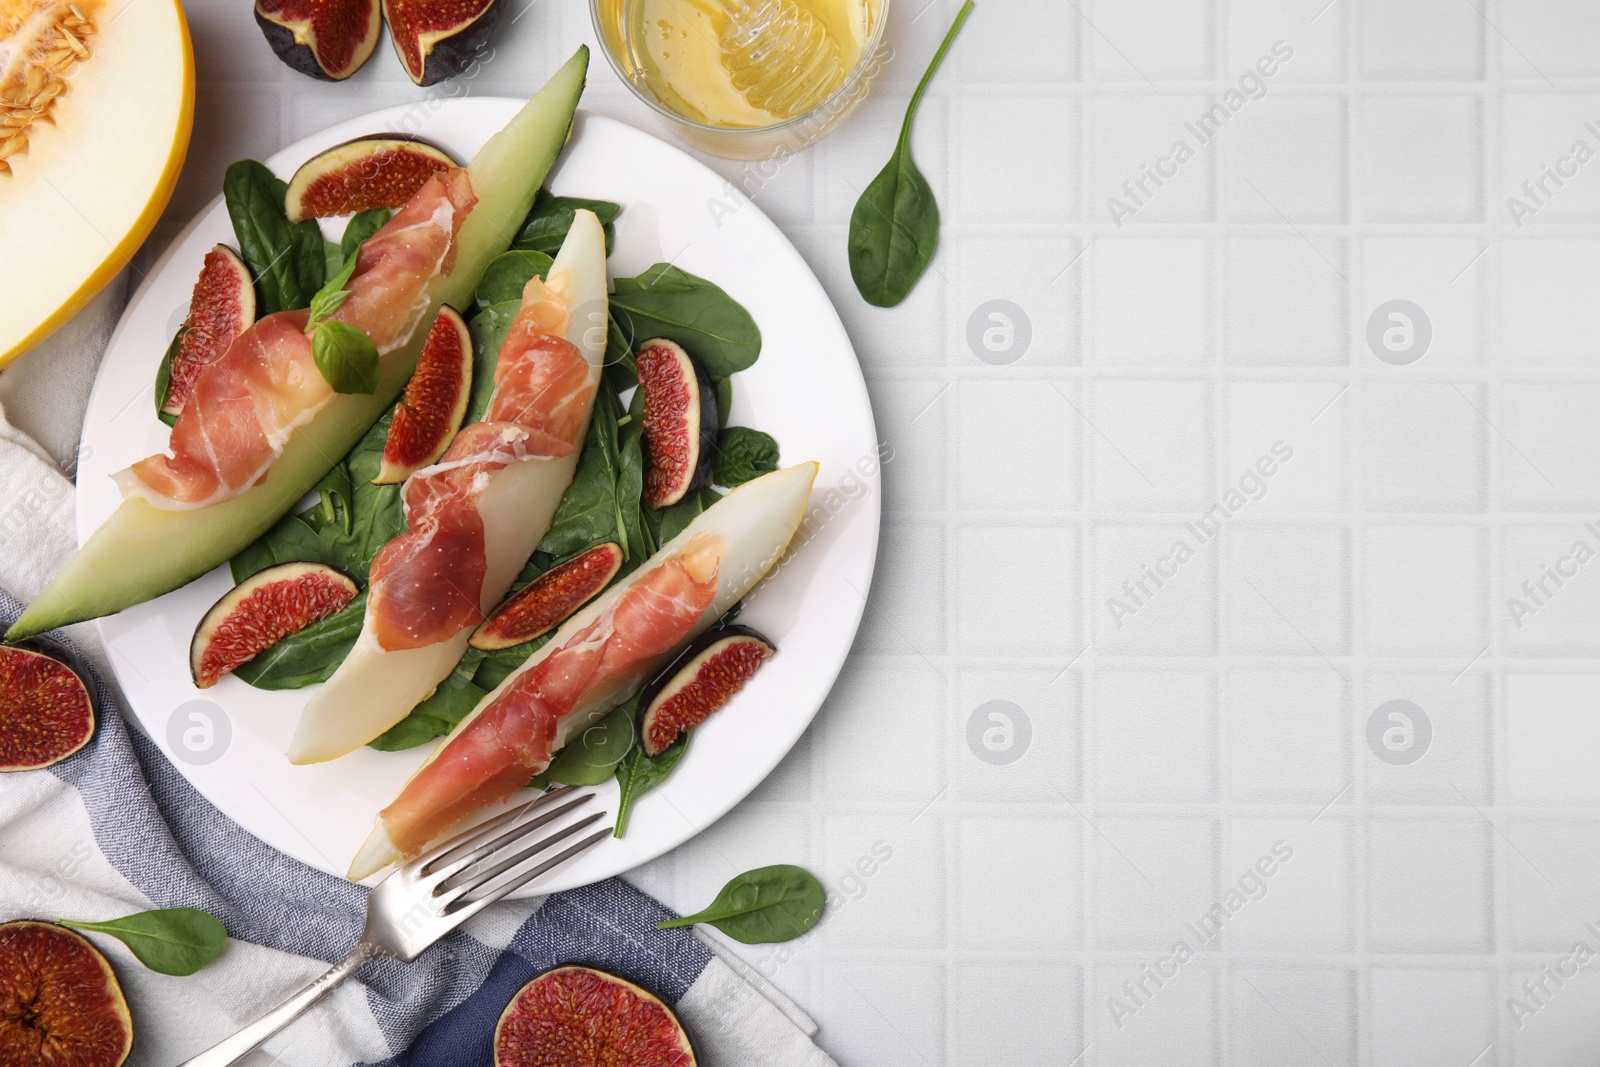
[{"x": 421, "y": 901}]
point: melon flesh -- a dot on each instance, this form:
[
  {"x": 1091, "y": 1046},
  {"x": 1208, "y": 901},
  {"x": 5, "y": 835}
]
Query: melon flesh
[
  {"x": 375, "y": 688},
  {"x": 141, "y": 551},
  {"x": 77, "y": 201}
]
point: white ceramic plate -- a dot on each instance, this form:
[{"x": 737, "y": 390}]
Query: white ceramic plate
[{"x": 806, "y": 390}]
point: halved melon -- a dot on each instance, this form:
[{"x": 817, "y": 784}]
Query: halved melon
[
  {"x": 96, "y": 104},
  {"x": 141, "y": 551}
]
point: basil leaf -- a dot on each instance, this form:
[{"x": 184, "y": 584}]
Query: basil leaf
[
  {"x": 637, "y": 774},
  {"x": 668, "y": 302},
  {"x": 758, "y": 907},
  {"x": 593, "y": 756},
  {"x": 360, "y": 228},
  {"x": 168, "y": 941},
  {"x": 332, "y": 295},
  {"x": 551, "y": 217},
  {"x": 346, "y": 357},
  {"x": 164, "y": 375},
  {"x": 507, "y": 275},
  {"x": 285, "y": 260},
  {"x": 894, "y": 228},
  {"x": 742, "y": 455}
]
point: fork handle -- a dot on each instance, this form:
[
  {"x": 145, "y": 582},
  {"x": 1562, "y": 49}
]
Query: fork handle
[{"x": 231, "y": 1049}]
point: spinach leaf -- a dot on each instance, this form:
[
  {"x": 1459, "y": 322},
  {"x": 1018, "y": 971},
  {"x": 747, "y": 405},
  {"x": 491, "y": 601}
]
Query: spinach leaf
[
  {"x": 507, "y": 275},
  {"x": 551, "y": 217},
  {"x": 168, "y": 941},
  {"x": 312, "y": 655},
  {"x": 164, "y": 375},
  {"x": 360, "y": 228},
  {"x": 637, "y": 544},
  {"x": 670, "y": 522},
  {"x": 723, "y": 387},
  {"x": 767, "y": 904},
  {"x": 894, "y": 228},
  {"x": 346, "y": 357},
  {"x": 668, "y": 302},
  {"x": 743, "y": 454},
  {"x": 488, "y": 328},
  {"x": 637, "y": 774},
  {"x": 439, "y": 713},
  {"x": 286, "y": 260},
  {"x": 593, "y": 756},
  {"x": 588, "y": 512}
]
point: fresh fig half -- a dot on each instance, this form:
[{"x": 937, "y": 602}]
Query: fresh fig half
[
  {"x": 327, "y": 39},
  {"x": 46, "y": 713},
  {"x": 545, "y": 602},
  {"x": 362, "y": 174},
  {"x": 429, "y": 414},
  {"x": 437, "y": 39},
  {"x": 701, "y": 681},
  {"x": 222, "y": 305},
  {"x": 261, "y": 611},
  {"x": 60, "y": 1002},
  {"x": 679, "y": 421},
  {"x": 576, "y": 1016}
]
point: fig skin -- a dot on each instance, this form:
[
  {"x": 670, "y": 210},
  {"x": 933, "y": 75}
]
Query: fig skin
[
  {"x": 679, "y": 421},
  {"x": 456, "y": 43},
  {"x": 54, "y": 983},
  {"x": 308, "y": 34},
  {"x": 46, "y": 711},
  {"x": 222, "y": 305},
  {"x": 571, "y": 1016},
  {"x": 429, "y": 415},
  {"x": 698, "y": 683},
  {"x": 380, "y": 170},
  {"x": 548, "y": 600},
  {"x": 323, "y": 590}
]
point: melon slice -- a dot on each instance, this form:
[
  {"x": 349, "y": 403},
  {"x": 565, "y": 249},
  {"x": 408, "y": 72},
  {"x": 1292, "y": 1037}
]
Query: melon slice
[
  {"x": 140, "y": 551},
  {"x": 375, "y": 688},
  {"x": 96, "y": 104}
]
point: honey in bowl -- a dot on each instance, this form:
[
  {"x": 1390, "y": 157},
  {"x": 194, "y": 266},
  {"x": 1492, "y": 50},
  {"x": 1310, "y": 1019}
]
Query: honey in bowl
[{"x": 743, "y": 64}]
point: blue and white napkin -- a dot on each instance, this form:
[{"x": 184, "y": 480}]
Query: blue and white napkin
[{"x": 116, "y": 829}]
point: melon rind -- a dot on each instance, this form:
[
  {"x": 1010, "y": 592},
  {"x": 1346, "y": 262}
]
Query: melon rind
[{"x": 141, "y": 551}]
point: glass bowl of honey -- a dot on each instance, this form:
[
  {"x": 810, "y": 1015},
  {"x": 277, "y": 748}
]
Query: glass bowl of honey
[{"x": 745, "y": 79}]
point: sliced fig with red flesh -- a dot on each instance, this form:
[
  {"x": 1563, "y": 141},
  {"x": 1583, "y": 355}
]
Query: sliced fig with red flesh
[
  {"x": 437, "y": 39},
  {"x": 60, "y": 1002},
  {"x": 261, "y": 611},
  {"x": 327, "y": 39},
  {"x": 544, "y": 603},
  {"x": 221, "y": 307},
  {"x": 435, "y": 401},
  {"x": 576, "y": 1016},
  {"x": 703, "y": 679},
  {"x": 363, "y": 174},
  {"x": 679, "y": 421},
  {"x": 46, "y": 713}
]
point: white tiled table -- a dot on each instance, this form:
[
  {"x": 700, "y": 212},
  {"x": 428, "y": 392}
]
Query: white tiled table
[{"x": 990, "y": 912}]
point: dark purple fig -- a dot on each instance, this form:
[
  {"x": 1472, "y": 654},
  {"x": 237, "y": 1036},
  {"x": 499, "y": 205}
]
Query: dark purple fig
[
  {"x": 60, "y": 1002},
  {"x": 437, "y": 39},
  {"x": 679, "y": 421},
  {"x": 581, "y": 1017},
  {"x": 46, "y": 713},
  {"x": 383, "y": 170},
  {"x": 327, "y": 39},
  {"x": 699, "y": 682},
  {"x": 261, "y": 611}
]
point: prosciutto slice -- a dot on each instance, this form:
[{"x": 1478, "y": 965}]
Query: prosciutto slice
[
  {"x": 247, "y": 403},
  {"x": 512, "y": 737}
]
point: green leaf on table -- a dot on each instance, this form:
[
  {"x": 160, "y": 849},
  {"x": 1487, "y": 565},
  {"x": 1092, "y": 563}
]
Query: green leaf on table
[
  {"x": 551, "y": 217},
  {"x": 637, "y": 774},
  {"x": 743, "y": 454},
  {"x": 285, "y": 259},
  {"x": 758, "y": 907},
  {"x": 176, "y": 941},
  {"x": 666, "y": 301},
  {"x": 508, "y": 274},
  {"x": 346, "y": 357},
  {"x": 894, "y": 228}
]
